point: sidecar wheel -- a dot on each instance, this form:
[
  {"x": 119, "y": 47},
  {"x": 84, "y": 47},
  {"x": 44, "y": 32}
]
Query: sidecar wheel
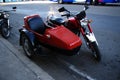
[
  {"x": 27, "y": 46},
  {"x": 5, "y": 31},
  {"x": 96, "y": 51}
]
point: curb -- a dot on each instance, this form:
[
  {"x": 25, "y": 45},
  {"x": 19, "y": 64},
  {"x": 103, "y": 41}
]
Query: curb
[{"x": 36, "y": 70}]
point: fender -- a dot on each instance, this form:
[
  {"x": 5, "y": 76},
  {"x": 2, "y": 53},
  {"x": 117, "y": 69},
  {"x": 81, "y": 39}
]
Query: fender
[
  {"x": 3, "y": 21},
  {"x": 29, "y": 35}
]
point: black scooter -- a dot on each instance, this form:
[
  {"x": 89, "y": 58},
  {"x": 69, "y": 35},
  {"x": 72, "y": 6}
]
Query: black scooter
[{"x": 4, "y": 22}]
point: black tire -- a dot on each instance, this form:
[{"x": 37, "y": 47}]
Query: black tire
[
  {"x": 27, "y": 46},
  {"x": 96, "y": 51},
  {"x": 60, "y": 1},
  {"x": 5, "y": 31}
]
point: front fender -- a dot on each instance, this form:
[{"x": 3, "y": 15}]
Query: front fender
[
  {"x": 1, "y": 22},
  {"x": 4, "y": 21},
  {"x": 28, "y": 34}
]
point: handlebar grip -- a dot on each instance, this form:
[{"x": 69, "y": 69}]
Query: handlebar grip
[
  {"x": 64, "y": 15},
  {"x": 67, "y": 15}
]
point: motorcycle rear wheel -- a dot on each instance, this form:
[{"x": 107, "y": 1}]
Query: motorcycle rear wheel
[
  {"x": 96, "y": 51},
  {"x": 27, "y": 46},
  {"x": 5, "y": 31}
]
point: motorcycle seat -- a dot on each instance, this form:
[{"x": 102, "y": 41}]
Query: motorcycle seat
[
  {"x": 36, "y": 24},
  {"x": 57, "y": 21}
]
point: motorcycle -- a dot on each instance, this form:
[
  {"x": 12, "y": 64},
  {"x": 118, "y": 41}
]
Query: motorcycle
[
  {"x": 78, "y": 24},
  {"x": 4, "y": 22},
  {"x": 36, "y": 33}
]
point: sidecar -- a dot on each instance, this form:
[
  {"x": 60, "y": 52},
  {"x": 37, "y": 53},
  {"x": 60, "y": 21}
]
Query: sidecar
[{"x": 36, "y": 33}]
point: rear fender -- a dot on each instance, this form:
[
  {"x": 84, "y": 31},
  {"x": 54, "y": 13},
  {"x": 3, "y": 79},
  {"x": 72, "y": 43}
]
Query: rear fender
[{"x": 29, "y": 35}]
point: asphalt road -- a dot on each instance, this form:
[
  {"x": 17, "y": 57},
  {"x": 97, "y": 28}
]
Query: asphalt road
[{"x": 106, "y": 28}]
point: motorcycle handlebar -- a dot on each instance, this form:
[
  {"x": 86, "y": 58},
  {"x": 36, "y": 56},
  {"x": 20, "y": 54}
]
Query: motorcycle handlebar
[
  {"x": 13, "y": 9},
  {"x": 69, "y": 14}
]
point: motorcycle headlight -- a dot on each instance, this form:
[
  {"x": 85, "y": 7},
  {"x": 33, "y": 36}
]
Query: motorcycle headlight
[
  {"x": 6, "y": 15},
  {"x": 84, "y": 23}
]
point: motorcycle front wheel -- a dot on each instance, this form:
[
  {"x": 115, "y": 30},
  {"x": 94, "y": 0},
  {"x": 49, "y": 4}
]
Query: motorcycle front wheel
[
  {"x": 27, "y": 46},
  {"x": 5, "y": 31},
  {"x": 96, "y": 51}
]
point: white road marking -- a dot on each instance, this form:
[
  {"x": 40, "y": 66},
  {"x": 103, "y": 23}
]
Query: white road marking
[{"x": 75, "y": 70}]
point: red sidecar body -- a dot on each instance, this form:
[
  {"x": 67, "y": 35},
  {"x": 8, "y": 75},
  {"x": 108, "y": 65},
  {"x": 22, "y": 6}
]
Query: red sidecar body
[{"x": 57, "y": 36}]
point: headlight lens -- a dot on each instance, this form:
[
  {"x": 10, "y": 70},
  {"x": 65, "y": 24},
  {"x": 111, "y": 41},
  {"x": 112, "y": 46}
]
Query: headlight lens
[
  {"x": 6, "y": 15},
  {"x": 83, "y": 23}
]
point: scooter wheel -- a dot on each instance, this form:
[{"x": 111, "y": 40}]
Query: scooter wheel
[
  {"x": 96, "y": 51},
  {"x": 27, "y": 46},
  {"x": 5, "y": 31}
]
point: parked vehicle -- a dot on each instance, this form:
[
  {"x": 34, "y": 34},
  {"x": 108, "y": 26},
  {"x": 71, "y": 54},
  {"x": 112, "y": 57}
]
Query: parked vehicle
[
  {"x": 78, "y": 24},
  {"x": 4, "y": 22},
  {"x": 67, "y": 1},
  {"x": 56, "y": 35},
  {"x": 96, "y": 2},
  {"x": 36, "y": 33}
]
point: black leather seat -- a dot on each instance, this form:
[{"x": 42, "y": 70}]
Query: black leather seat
[{"x": 37, "y": 24}]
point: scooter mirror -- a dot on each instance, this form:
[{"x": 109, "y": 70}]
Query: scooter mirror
[{"x": 14, "y": 7}]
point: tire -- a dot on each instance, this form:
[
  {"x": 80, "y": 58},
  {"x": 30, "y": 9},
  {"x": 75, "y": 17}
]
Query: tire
[
  {"x": 60, "y": 1},
  {"x": 5, "y": 31},
  {"x": 27, "y": 46},
  {"x": 96, "y": 51}
]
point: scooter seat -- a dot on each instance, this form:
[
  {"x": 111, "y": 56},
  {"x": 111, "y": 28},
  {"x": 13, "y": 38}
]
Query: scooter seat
[
  {"x": 36, "y": 24},
  {"x": 57, "y": 21}
]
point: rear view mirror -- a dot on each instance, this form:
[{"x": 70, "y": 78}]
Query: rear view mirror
[
  {"x": 62, "y": 9},
  {"x": 14, "y": 8}
]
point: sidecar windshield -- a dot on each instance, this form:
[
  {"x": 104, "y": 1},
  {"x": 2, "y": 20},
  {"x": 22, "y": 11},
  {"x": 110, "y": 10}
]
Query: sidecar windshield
[{"x": 53, "y": 12}]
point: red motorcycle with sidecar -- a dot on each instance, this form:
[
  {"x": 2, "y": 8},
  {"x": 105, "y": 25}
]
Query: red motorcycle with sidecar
[
  {"x": 57, "y": 34},
  {"x": 78, "y": 24}
]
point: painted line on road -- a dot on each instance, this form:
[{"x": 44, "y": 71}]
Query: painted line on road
[{"x": 71, "y": 68}]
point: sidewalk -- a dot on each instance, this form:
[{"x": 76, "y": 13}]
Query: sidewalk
[{"x": 14, "y": 67}]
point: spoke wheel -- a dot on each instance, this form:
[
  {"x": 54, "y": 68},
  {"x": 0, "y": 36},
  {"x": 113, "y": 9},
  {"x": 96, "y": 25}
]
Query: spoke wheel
[
  {"x": 27, "y": 46},
  {"x": 96, "y": 51},
  {"x": 5, "y": 30}
]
